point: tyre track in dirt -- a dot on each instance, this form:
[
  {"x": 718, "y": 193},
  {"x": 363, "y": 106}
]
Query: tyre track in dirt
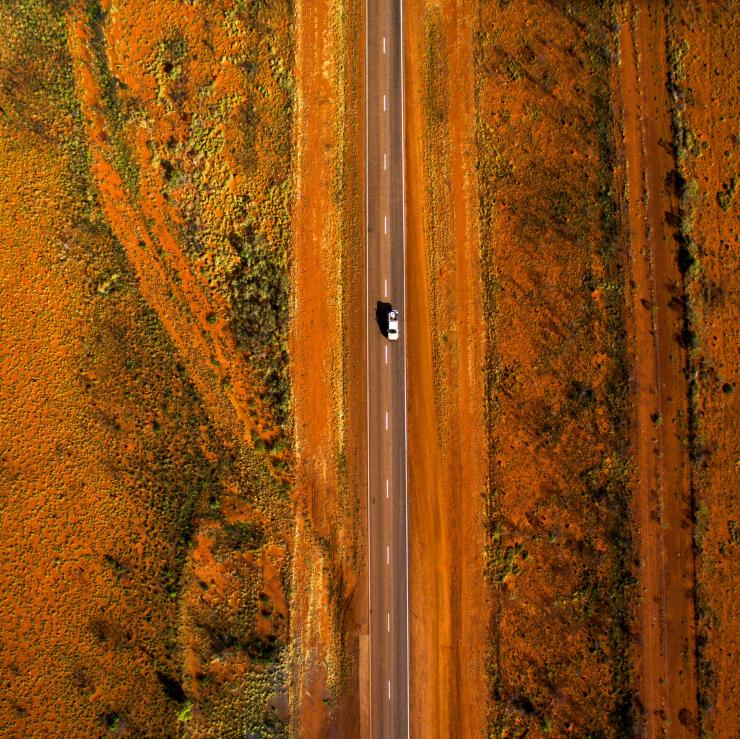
[
  {"x": 665, "y": 656},
  {"x": 704, "y": 42}
]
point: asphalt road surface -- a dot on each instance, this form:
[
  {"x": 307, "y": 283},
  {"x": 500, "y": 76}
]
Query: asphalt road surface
[{"x": 386, "y": 372}]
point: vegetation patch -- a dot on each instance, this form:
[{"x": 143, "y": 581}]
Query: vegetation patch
[{"x": 558, "y": 549}]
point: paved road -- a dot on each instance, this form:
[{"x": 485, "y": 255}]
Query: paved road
[{"x": 386, "y": 373}]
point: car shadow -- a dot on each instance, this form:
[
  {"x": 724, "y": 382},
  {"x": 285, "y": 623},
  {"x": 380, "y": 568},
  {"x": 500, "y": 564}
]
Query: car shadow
[{"x": 381, "y": 316}]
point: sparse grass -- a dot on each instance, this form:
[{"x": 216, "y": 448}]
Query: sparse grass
[
  {"x": 727, "y": 194},
  {"x": 570, "y": 222},
  {"x": 437, "y": 224},
  {"x": 503, "y": 561}
]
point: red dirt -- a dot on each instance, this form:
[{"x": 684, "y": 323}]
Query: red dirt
[
  {"x": 449, "y": 608},
  {"x": 665, "y": 655}
]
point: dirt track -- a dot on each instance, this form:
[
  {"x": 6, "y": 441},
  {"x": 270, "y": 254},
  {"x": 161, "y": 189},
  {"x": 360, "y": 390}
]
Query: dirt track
[
  {"x": 665, "y": 656},
  {"x": 703, "y": 49}
]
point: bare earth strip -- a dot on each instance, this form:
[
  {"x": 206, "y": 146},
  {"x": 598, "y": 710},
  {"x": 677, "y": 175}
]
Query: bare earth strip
[{"x": 449, "y": 604}]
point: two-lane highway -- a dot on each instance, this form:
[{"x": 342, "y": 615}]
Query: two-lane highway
[{"x": 386, "y": 372}]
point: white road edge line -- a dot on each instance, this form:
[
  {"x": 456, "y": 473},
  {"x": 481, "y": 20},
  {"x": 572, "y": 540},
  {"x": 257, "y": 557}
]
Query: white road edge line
[
  {"x": 405, "y": 419},
  {"x": 367, "y": 377}
]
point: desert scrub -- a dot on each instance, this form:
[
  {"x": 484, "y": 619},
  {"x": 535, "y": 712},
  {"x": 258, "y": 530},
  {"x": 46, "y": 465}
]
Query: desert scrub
[
  {"x": 726, "y": 195},
  {"x": 555, "y": 372},
  {"x": 37, "y": 89},
  {"x": 217, "y": 148},
  {"x": 149, "y": 464},
  {"x": 230, "y": 179},
  {"x": 263, "y": 719},
  {"x": 140, "y": 392}
]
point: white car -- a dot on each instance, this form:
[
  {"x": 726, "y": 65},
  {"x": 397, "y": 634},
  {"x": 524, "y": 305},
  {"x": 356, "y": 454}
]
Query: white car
[{"x": 393, "y": 325}]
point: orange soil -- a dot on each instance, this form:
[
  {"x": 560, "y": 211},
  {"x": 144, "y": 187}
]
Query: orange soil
[
  {"x": 328, "y": 543},
  {"x": 449, "y": 609},
  {"x": 314, "y": 356},
  {"x": 712, "y": 114},
  {"x": 665, "y": 654}
]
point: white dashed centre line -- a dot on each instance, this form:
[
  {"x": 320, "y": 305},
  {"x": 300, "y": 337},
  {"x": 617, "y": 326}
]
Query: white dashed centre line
[
  {"x": 385, "y": 162},
  {"x": 386, "y": 354},
  {"x": 384, "y": 44},
  {"x": 387, "y": 490},
  {"x": 389, "y": 622},
  {"x": 386, "y": 420},
  {"x": 386, "y": 288},
  {"x": 385, "y": 107},
  {"x": 389, "y": 690},
  {"x": 387, "y": 555},
  {"x": 385, "y": 224}
]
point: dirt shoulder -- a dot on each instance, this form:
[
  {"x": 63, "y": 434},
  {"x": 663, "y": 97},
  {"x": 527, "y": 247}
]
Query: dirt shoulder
[
  {"x": 449, "y": 608},
  {"x": 328, "y": 578}
]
